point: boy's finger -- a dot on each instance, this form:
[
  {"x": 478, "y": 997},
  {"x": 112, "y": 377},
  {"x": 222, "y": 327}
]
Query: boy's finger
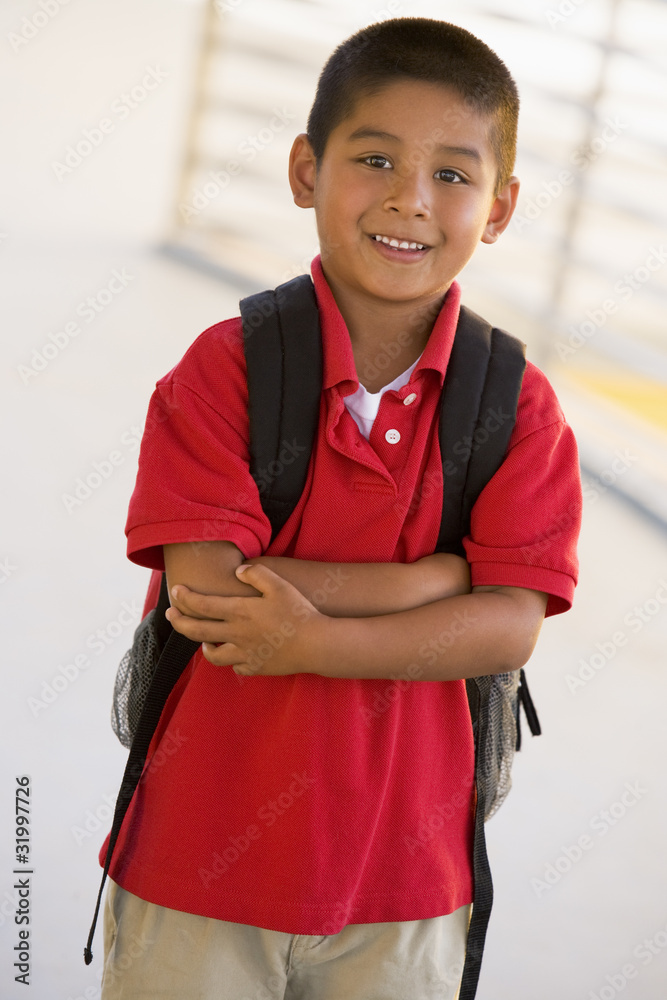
[
  {"x": 229, "y": 655},
  {"x": 259, "y": 576},
  {"x": 202, "y": 605},
  {"x": 222, "y": 654},
  {"x": 199, "y": 629}
]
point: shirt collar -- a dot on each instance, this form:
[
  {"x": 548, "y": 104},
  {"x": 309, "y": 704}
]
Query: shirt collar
[{"x": 337, "y": 356}]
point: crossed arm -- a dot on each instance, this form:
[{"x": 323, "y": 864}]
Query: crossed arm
[{"x": 356, "y": 620}]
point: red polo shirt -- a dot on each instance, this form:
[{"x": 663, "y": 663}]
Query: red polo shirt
[{"x": 303, "y": 803}]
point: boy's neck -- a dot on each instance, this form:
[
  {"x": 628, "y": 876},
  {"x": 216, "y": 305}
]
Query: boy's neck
[{"x": 386, "y": 337}]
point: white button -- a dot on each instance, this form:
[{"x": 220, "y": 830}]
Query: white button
[
  {"x": 410, "y": 399},
  {"x": 392, "y": 436}
]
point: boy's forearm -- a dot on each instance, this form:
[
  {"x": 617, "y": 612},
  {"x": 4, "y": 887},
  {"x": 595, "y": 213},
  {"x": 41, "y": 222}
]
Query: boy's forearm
[
  {"x": 491, "y": 630},
  {"x": 350, "y": 590},
  {"x": 207, "y": 567},
  {"x": 363, "y": 590}
]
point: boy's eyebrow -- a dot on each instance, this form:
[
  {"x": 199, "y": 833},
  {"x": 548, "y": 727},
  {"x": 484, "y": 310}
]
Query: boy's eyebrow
[{"x": 372, "y": 133}]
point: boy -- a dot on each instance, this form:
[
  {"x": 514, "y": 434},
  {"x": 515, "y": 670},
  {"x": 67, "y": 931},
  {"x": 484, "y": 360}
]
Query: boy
[{"x": 306, "y": 831}]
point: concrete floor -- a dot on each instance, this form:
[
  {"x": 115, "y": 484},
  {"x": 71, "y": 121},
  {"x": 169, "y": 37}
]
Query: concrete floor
[{"x": 565, "y": 925}]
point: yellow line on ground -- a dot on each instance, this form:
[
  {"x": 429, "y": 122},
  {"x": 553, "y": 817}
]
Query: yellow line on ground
[{"x": 644, "y": 397}]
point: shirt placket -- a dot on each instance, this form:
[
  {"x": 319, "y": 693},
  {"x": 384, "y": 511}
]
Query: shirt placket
[{"x": 392, "y": 432}]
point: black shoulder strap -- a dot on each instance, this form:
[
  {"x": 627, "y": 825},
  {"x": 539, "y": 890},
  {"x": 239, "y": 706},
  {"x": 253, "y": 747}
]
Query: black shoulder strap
[
  {"x": 284, "y": 373},
  {"x": 478, "y": 410}
]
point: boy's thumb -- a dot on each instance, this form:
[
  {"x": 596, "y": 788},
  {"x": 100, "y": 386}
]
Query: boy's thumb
[
  {"x": 261, "y": 572},
  {"x": 257, "y": 576}
]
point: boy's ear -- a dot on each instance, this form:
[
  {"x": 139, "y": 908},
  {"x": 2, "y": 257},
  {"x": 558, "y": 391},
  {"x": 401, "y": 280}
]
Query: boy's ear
[
  {"x": 502, "y": 211},
  {"x": 302, "y": 171}
]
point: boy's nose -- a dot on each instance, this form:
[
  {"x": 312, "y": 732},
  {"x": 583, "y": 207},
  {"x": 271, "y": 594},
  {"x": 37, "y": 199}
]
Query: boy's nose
[{"x": 408, "y": 193}]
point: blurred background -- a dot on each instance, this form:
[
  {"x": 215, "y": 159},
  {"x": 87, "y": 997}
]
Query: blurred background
[{"x": 144, "y": 190}]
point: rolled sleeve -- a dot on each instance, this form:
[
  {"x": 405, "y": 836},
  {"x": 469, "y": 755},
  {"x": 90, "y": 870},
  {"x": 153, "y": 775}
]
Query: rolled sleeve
[{"x": 525, "y": 524}]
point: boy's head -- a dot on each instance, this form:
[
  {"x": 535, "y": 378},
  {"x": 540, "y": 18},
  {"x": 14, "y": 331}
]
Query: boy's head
[
  {"x": 407, "y": 162},
  {"x": 416, "y": 48}
]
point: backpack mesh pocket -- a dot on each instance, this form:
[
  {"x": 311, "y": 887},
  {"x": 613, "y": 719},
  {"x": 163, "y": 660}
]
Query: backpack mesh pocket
[
  {"x": 133, "y": 679},
  {"x": 499, "y": 701}
]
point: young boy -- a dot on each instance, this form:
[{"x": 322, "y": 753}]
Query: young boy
[{"x": 305, "y": 826}]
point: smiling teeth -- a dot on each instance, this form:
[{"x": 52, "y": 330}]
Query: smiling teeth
[{"x": 401, "y": 244}]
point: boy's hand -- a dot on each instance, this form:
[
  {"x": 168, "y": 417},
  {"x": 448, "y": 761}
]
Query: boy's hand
[{"x": 274, "y": 634}]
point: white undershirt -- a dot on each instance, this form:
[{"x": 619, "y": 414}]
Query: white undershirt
[{"x": 363, "y": 406}]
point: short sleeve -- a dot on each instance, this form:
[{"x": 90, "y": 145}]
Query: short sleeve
[
  {"x": 193, "y": 482},
  {"x": 525, "y": 524}
]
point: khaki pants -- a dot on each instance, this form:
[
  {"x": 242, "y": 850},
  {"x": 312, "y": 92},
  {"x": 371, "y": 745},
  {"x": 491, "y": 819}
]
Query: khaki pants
[{"x": 154, "y": 952}]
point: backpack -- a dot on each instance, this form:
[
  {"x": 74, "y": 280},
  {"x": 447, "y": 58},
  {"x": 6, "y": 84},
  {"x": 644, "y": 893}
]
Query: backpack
[{"x": 283, "y": 349}]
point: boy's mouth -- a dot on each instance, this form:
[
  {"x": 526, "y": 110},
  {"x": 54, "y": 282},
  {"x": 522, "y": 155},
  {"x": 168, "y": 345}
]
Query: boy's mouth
[{"x": 395, "y": 243}]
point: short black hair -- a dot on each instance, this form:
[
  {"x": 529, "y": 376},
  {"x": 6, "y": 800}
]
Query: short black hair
[{"x": 418, "y": 48}]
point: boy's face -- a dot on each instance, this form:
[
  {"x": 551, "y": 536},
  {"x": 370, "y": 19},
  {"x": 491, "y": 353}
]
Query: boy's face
[{"x": 413, "y": 163}]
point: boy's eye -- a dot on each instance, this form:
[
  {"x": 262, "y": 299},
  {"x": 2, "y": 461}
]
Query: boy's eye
[
  {"x": 451, "y": 176},
  {"x": 376, "y": 160}
]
